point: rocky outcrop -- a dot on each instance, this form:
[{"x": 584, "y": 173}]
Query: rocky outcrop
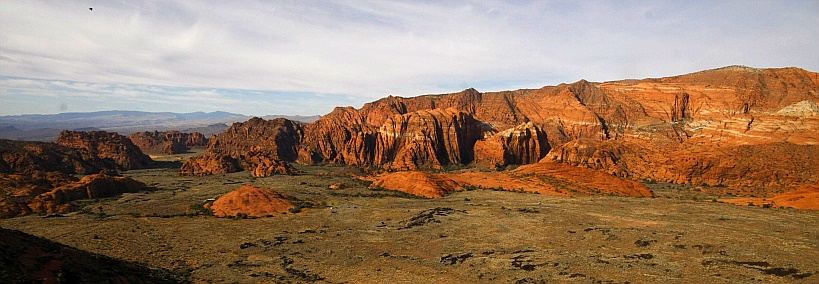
[
  {"x": 37, "y": 177},
  {"x": 523, "y": 144},
  {"x": 261, "y": 146},
  {"x": 26, "y": 157},
  {"x": 53, "y": 192},
  {"x": 252, "y": 201},
  {"x": 210, "y": 164},
  {"x": 263, "y": 166},
  {"x": 168, "y": 142},
  {"x": 775, "y": 166},
  {"x": 89, "y": 187},
  {"x": 106, "y": 145}
]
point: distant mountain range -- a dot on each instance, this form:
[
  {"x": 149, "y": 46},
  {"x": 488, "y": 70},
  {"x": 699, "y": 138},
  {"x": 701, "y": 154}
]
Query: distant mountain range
[{"x": 46, "y": 127}]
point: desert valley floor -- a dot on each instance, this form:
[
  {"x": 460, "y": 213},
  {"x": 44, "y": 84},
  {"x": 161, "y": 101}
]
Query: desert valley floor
[{"x": 480, "y": 236}]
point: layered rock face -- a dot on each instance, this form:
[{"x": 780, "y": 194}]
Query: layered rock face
[
  {"x": 683, "y": 129},
  {"x": 106, "y": 145},
  {"x": 261, "y": 146},
  {"x": 168, "y": 142},
  {"x": 252, "y": 201},
  {"x": 426, "y": 139}
]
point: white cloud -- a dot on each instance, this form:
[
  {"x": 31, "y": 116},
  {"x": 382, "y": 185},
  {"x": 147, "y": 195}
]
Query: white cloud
[{"x": 367, "y": 49}]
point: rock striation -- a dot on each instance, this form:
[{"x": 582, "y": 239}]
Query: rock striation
[
  {"x": 683, "y": 129},
  {"x": 168, "y": 142},
  {"x": 106, "y": 145},
  {"x": 251, "y": 200}
]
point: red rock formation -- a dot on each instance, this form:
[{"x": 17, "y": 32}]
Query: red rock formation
[
  {"x": 252, "y": 201},
  {"x": 210, "y": 164},
  {"x": 683, "y": 129},
  {"x": 53, "y": 192},
  {"x": 523, "y": 144},
  {"x": 426, "y": 139},
  {"x": 264, "y": 166},
  {"x": 89, "y": 187},
  {"x": 168, "y": 142},
  {"x": 258, "y": 145},
  {"x": 26, "y": 157},
  {"x": 106, "y": 145}
]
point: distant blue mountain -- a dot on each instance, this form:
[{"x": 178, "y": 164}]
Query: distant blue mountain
[{"x": 46, "y": 127}]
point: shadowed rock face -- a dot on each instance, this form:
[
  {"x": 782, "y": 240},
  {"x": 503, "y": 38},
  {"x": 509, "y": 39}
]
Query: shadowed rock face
[
  {"x": 106, "y": 145},
  {"x": 168, "y": 142}
]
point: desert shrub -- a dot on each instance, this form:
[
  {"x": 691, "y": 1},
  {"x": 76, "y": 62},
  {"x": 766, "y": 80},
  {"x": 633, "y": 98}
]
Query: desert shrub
[{"x": 199, "y": 208}]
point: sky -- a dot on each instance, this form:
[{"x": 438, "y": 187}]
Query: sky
[{"x": 306, "y": 57}]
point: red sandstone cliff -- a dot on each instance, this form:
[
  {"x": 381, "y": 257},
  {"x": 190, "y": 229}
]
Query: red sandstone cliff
[{"x": 737, "y": 126}]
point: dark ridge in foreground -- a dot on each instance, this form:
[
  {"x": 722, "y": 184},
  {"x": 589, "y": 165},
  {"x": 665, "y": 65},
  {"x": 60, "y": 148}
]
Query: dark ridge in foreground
[{"x": 31, "y": 259}]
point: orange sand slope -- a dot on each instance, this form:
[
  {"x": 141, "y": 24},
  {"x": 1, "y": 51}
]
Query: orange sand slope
[
  {"x": 805, "y": 197},
  {"x": 544, "y": 178}
]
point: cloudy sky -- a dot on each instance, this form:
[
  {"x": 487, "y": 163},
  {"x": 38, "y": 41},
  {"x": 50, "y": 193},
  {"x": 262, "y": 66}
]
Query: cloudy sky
[{"x": 305, "y": 57}]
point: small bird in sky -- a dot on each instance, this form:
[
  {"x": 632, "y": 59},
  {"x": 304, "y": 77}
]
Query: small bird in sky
[{"x": 91, "y": 9}]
